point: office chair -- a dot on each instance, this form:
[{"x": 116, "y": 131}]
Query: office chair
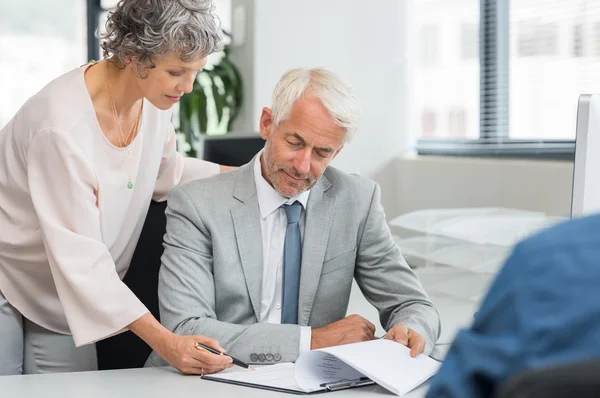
[
  {"x": 126, "y": 350},
  {"x": 576, "y": 380}
]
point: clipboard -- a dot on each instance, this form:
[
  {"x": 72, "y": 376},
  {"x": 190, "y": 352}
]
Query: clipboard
[
  {"x": 381, "y": 362},
  {"x": 327, "y": 387}
]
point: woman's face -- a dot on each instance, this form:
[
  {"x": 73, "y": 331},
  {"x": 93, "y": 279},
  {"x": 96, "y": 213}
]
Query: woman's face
[{"x": 169, "y": 79}]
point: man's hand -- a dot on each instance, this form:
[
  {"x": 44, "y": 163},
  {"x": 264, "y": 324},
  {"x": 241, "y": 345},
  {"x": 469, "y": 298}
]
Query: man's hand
[
  {"x": 408, "y": 337},
  {"x": 352, "y": 329}
]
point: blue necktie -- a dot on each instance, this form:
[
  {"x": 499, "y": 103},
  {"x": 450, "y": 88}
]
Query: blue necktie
[{"x": 292, "y": 258}]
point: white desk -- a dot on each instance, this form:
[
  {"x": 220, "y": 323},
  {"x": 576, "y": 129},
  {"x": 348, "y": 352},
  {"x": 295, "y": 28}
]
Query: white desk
[
  {"x": 455, "y": 312},
  {"x": 455, "y": 294},
  {"x": 149, "y": 383}
]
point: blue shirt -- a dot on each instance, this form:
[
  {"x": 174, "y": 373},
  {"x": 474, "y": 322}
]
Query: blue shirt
[{"x": 542, "y": 309}]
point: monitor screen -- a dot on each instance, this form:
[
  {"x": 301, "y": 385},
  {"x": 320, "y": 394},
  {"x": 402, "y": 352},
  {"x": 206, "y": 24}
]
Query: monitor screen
[
  {"x": 586, "y": 171},
  {"x": 231, "y": 150}
]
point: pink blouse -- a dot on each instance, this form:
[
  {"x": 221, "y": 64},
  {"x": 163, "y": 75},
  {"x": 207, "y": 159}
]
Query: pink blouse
[{"x": 68, "y": 222}]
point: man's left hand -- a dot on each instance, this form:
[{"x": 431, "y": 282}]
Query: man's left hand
[{"x": 408, "y": 337}]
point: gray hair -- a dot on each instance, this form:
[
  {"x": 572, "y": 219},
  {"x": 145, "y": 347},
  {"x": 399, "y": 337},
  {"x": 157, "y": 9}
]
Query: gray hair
[
  {"x": 145, "y": 29},
  {"x": 337, "y": 96}
]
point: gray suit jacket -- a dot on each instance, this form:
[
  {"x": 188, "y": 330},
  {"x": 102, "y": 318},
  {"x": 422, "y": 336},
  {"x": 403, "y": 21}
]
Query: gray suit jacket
[{"x": 211, "y": 275}]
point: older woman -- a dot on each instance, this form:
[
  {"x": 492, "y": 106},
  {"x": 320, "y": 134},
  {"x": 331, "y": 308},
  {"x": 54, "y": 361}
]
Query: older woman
[{"x": 80, "y": 162}]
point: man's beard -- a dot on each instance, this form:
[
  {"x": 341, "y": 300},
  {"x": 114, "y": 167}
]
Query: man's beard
[{"x": 282, "y": 187}]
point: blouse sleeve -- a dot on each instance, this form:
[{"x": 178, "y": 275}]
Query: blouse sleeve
[
  {"x": 175, "y": 169},
  {"x": 62, "y": 184}
]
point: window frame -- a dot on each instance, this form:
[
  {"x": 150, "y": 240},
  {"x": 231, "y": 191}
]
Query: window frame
[
  {"x": 94, "y": 10},
  {"x": 494, "y": 77}
]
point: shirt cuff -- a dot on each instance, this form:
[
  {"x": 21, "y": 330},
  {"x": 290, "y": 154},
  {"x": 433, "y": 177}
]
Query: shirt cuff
[{"x": 305, "y": 336}]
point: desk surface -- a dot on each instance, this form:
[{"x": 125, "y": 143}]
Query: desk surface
[
  {"x": 455, "y": 312},
  {"x": 149, "y": 383}
]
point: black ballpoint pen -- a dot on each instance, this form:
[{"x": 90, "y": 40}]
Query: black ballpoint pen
[{"x": 236, "y": 361}]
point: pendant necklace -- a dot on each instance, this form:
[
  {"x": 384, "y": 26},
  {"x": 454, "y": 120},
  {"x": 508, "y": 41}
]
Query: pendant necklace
[{"x": 130, "y": 138}]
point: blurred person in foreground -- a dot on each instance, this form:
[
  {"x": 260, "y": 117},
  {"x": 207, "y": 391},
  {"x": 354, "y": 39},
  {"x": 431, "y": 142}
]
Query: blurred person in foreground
[{"x": 541, "y": 310}]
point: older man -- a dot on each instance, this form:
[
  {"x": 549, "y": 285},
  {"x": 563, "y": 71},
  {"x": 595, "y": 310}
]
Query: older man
[{"x": 263, "y": 258}]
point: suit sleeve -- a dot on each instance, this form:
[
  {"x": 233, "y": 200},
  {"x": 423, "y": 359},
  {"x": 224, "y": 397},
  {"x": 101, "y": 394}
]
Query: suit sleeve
[
  {"x": 387, "y": 281},
  {"x": 62, "y": 184},
  {"x": 187, "y": 295},
  {"x": 484, "y": 355}
]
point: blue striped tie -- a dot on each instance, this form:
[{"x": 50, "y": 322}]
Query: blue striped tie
[{"x": 292, "y": 258}]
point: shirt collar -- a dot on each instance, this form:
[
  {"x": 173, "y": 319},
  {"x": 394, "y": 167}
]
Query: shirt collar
[{"x": 269, "y": 199}]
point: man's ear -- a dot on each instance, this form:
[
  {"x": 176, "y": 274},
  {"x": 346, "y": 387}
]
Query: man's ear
[{"x": 266, "y": 123}]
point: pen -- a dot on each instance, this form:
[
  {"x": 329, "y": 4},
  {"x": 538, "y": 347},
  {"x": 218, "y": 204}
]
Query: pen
[{"x": 236, "y": 361}]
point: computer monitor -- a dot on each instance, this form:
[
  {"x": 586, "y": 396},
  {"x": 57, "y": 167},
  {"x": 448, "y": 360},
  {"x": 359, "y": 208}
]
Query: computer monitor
[
  {"x": 232, "y": 150},
  {"x": 586, "y": 170}
]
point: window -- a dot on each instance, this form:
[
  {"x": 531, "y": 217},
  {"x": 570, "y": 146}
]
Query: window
[
  {"x": 429, "y": 45},
  {"x": 545, "y": 84},
  {"x": 595, "y": 40},
  {"x": 447, "y": 77},
  {"x": 537, "y": 39},
  {"x": 106, "y": 6},
  {"x": 428, "y": 123},
  {"x": 469, "y": 41},
  {"x": 39, "y": 41},
  {"x": 578, "y": 40},
  {"x": 457, "y": 122},
  {"x": 532, "y": 60}
]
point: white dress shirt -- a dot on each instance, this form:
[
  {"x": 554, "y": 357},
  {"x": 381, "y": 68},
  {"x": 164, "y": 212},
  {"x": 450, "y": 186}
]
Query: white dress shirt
[{"x": 273, "y": 223}]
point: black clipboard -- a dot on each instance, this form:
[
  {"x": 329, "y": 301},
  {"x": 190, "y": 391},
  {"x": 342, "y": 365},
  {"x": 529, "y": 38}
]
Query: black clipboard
[{"x": 327, "y": 387}]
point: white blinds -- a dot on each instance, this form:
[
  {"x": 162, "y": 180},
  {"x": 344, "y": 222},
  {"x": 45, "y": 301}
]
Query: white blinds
[
  {"x": 499, "y": 69},
  {"x": 554, "y": 57}
]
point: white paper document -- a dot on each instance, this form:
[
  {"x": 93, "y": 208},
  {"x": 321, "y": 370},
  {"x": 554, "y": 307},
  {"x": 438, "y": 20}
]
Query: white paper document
[{"x": 384, "y": 362}]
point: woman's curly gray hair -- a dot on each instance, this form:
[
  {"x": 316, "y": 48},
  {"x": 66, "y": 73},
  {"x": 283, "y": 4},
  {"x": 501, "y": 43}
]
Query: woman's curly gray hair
[{"x": 145, "y": 29}]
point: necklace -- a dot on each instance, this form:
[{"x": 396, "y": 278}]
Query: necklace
[{"x": 126, "y": 142}]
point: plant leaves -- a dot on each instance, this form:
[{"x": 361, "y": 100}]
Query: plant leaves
[
  {"x": 219, "y": 98},
  {"x": 185, "y": 121},
  {"x": 202, "y": 111},
  {"x": 227, "y": 92},
  {"x": 236, "y": 79},
  {"x": 234, "y": 88},
  {"x": 183, "y": 115}
]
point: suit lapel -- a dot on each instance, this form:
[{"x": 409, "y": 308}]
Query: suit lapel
[
  {"x": 319, "y": 216},
  {"x": 246, "y": 221}
]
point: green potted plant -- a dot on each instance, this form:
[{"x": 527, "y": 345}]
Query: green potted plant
[{"x": 213, "y": 104}]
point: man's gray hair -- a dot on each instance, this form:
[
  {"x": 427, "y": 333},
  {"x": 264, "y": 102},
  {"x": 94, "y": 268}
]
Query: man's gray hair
[
  {"x": 337, "y": 96},
  {"x": 145, "y": 29}
]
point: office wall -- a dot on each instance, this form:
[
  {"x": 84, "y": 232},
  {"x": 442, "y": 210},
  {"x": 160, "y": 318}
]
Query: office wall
[
  {"x": 365, "y": 44},
  {"x": 368, "y": 46},
  {"x": 426, "y": 182}
]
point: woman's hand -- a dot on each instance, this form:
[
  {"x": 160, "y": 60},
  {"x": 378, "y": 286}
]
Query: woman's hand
[
  {"x": 225, "y": 169},
  {"x": 181, "y": 353}
]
